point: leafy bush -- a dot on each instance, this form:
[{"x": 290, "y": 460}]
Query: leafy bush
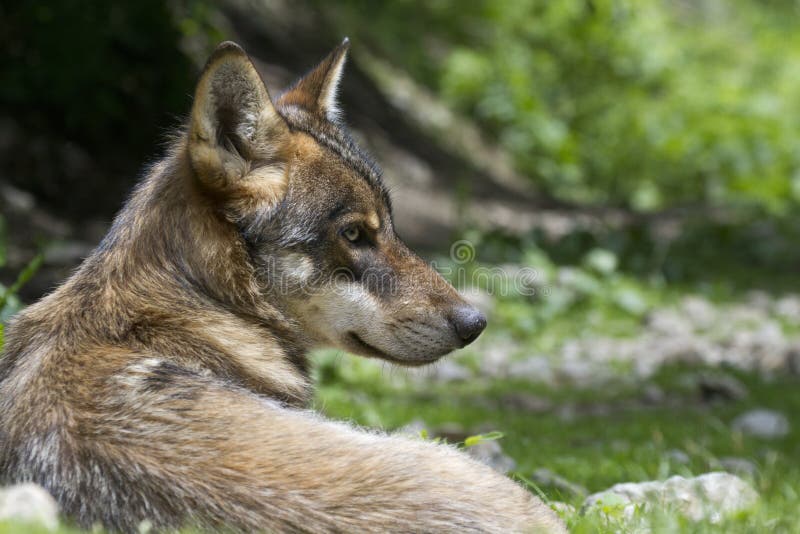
[{"x": 645, "y": 104}]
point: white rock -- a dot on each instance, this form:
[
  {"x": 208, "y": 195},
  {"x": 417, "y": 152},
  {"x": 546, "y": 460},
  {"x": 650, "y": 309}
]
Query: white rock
[
  {"x": 758, "y": 299},
  {"x": 669, "y": 322},
  {"x": 581, "y": 372},
  {"x": 545, "y": 477},
  {"x": 678, "y": 456},
  {"x": 788, "y": 308},
  {"x": 699, "y": 312},
  {"x": 450, "y": 371},
  {"x": 738, "y": 466},
  {"x": 534, "y": 368},
  {"x": 761, "y": 423},
  {"x": 711, "y": 496},
  {"x": 28, "y": 503},
  {"x": 496, "y": 357},
  {"x": 563, "y": 509}
]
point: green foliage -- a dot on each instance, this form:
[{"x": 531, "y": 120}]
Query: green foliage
[
  {"x": 9, "y": 303},
  {"x": 471, "y": 441},
  {"x": 645, "y": 104}
]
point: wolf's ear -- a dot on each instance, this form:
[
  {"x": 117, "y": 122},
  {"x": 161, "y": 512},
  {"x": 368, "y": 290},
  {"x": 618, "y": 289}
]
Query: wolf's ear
[
  {"x": 233, "y": 122},
  {"x": 316, "y": 91}
]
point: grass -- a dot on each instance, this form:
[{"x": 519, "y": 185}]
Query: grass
[{"x": 631, "y": 441}]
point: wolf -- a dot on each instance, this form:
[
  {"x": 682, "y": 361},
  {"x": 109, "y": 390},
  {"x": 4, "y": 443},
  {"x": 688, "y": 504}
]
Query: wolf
[{"x": 167, "y": 380}]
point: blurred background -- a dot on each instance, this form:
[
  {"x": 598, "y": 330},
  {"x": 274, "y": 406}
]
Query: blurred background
[{"x": 635, "y": 163}]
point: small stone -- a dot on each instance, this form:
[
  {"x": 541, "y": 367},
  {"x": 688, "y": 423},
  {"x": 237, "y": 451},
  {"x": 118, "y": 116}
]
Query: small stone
[
  {"x": 677, "y": 456},
  {"x": 28, "y": 503},
  {"x": 738, "y": 466},
  {"x": 788, "y": 308},
  {"x": 793, "y": 359},
  {"x": 534, "y": 368},
  {"x": 546, "y": 478},
  {"x": 563, "y": 509},
  {"x": 762, "y": 423},
  {"x": 669, "y": 323},
  {"x": 710, "y": 497},
  {"x": 490, "y": 453},
  {"x": 699, "y": 312},
  {"x": 17, "y": 199},
  {"x": 759, "y": 299},
  {"x": 720, "y": 387},
  {"x": 525, "y": 402},
  {"x": 652, "y": 394},
  {"x": 496, "y": 358},
  {"x": 578, "y": 372},
  {"x": 450, "y": 371}
]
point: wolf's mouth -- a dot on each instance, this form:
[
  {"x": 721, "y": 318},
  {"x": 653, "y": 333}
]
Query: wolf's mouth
[
  {"x": 371, "y": 350},
  {"x": 366, "y": 347}
]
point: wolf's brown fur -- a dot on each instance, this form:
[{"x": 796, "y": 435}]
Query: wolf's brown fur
[{"x": 166, "y": 379}]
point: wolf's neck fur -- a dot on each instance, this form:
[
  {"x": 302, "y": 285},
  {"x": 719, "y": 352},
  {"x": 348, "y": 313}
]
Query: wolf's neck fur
[{"x": 170, "y": 250}]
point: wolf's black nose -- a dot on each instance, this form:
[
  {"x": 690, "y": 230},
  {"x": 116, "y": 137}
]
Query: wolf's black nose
[{"x": 469, "y": 323}]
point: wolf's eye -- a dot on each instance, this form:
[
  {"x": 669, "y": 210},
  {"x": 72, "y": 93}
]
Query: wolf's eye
[{"x": 352, "y": 233}]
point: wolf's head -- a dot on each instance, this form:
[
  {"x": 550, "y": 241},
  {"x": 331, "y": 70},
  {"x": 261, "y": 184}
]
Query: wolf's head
[{"x": 315, "y": 215}]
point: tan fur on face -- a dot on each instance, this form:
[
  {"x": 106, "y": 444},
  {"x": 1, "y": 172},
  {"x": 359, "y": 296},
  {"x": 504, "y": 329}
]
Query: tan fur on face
[{"x": 373, "y": 221}]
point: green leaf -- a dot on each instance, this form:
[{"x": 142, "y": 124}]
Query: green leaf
[
  {"x": 478, "y": 438},
  {"x": 23, "y": 278}
]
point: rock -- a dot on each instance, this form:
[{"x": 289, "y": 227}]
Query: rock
[
  {"x": 534, "y": 368},
  {"x": 721, "y": 387},
  {"x": 793, "y": 359},
  {"x": 700, "y": 313},
  {"x": 579, "y": 372},
  {"x": 715, "y": 386},
  {"x": 546, "y": 478},
  {"x": 652, "y": 394},
  {"x": 525, "y": 402},
  {"x": 758, "y": 299},
  {"x": 450, "y": 371},
  {"x": 788, "y": 308},
  {"x": 669, "y": 323},
  {"x": 496, "y": 358},
  {"x": 563, "y": 509},
  {"x": 738, "y": 466},
  {"x": 490, "y": 453},
  {"x": 16, "y": 199},
  {"x": 28, "y": 503},
  {"x": 762, "y": 423},
  {"x": 677, "y": 456},
  {"x": 710, "y": 497}
]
